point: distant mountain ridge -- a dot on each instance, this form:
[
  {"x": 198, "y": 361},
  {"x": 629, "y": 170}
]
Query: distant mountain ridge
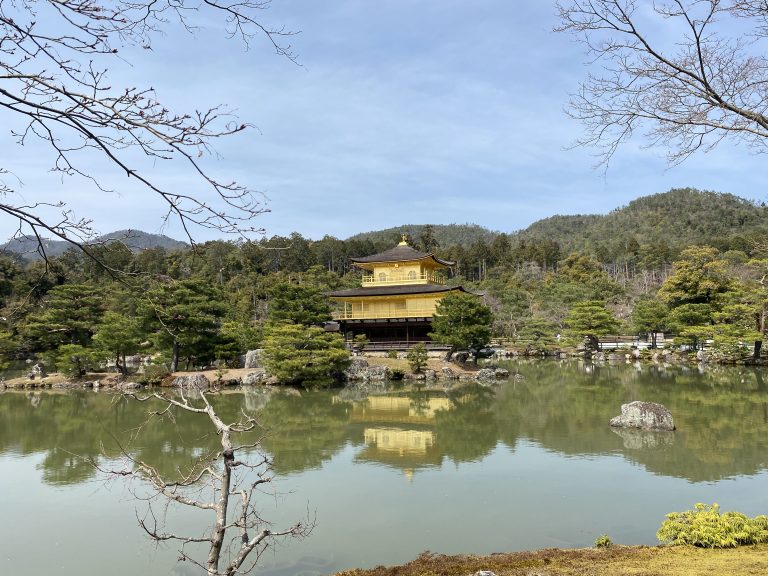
[
  {"x": 135, "y": 240},
  {"x": 445, "y": 234},
  {"x": 678, "y": 218}
]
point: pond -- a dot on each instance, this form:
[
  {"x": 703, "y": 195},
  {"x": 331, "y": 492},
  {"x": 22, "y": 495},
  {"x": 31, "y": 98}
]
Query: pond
[{"x": 389, "y": 473}]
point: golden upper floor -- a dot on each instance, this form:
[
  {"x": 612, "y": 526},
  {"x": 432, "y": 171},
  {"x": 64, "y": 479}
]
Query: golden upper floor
[{"x": 402, "y": 265}]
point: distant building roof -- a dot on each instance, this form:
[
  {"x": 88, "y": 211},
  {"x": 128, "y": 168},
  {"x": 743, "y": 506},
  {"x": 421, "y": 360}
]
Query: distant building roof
[
  {"x": 400, "y": 253},
  {"x": 394, "y": 290}
]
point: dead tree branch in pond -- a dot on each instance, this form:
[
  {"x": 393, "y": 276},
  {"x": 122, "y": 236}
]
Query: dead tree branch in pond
[
  {"x": 686, "y": 73},
  {"x": 224, "y": 485},
  {"x": 55, "y": 58}
]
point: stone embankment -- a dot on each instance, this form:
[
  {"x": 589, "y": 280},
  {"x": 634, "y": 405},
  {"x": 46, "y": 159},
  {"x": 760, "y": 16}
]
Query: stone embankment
[
  {"x": 253, "y": 373},
  {"x": 360, "y": 370}
]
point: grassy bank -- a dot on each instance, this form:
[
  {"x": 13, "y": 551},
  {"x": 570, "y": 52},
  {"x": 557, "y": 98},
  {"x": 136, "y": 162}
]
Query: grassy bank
[{"x": 612, "y": 561}]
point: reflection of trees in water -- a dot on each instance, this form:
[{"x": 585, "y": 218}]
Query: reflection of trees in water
[
  {"x": 468, "y": 430},
  {"x": 304, "y": 430},
  {"x": 721, "y": 415}
]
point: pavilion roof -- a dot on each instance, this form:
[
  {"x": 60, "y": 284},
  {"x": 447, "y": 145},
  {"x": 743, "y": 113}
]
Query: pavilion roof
[
  {"x": 400, "y": 253},
  {"x": 394, "y": 290}
]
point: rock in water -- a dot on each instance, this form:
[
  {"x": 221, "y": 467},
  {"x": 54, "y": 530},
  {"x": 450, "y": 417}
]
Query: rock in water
[
  {"x": 357, "y": 370},
  {"x": 486, "y": 374},
  {"x": 644, "y": 415}
]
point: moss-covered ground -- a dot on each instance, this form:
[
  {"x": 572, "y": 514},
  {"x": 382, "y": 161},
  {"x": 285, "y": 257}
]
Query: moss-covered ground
[{"x": 612, "y": 561}]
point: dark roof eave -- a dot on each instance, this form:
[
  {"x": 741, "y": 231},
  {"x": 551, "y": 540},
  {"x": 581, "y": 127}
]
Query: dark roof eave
[
  {"x": 400, "y": 254},
  {"x": 404, "y": 290}
]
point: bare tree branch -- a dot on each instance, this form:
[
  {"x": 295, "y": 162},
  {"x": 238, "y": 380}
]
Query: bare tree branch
[
  {"x": 238, "y": 535},
  {"x": 54, "y": 87},
  {"x": 685, "y": 96}
]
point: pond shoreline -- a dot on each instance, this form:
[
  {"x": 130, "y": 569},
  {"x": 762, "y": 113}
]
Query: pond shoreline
[
  {"x": 608, "y": 561},
  {"x": 376, "y": 369}
]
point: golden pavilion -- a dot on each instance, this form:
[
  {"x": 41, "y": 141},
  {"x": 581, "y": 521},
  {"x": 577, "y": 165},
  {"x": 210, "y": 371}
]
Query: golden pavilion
[{"x": 397, "y": 299}]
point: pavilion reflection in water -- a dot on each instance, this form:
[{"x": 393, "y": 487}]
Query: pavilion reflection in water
[{"x": 399, "y": 430}]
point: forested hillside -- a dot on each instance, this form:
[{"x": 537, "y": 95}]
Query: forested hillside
[
  {"x": 676, "y": 218},
  {"x": 686, "y": 261},
  {"x": 661, "y": 223},
  {"x": 444, "y": 234}
]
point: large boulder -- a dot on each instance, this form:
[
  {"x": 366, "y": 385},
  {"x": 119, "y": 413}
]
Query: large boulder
[
  {"x": 448, "y": 374},
  {"x": 501, "y": 373},
  {"x": 192, "y": 382},
  {"x": 645, "y": 416},
  {"x": 257, "y": 377},
  {"x": 253, "y": 358},
  {"x": 378, "y": 373},
  {"x": 461, "y": 357},
  {"x": 357, "y": 371},
  {"x": 485, "y": 374}
]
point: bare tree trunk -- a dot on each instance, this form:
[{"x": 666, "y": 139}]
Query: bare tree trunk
[
  {"x": 229, "y": 553},
  {"x": 175, "y": 356}
]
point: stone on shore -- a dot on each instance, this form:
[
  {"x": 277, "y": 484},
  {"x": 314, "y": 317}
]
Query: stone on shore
[
  {"x": 645, "y": 416},
  {"x": 448, "y": 373},
  {"x": 360, "y": 370},
  {"x": 486, "y": 374},
  {"x": 192, "y": 382},
  {"x": 258, "y": 377},
  {"x": 253, "y": 358}
]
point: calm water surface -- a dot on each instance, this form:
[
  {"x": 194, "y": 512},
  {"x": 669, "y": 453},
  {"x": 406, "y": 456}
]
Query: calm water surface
[{"x": 389, "y": 473}]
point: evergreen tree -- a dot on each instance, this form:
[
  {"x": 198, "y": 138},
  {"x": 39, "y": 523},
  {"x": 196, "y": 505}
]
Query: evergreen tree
[
  {"x": 699, "y": 277},
  {"x": 297, "y": 354},
  {"x": 185, "y": 316},
  {"x": 650, "y": 316},
  {"x": 417, "y": 358},
  {"x": 116, "y": 336},
  {"x": 591, "y": 320},
  {"x": 70, "y": 315},
  {"x": 304, "y": 304},
  {"x": 461, "y": 321}
]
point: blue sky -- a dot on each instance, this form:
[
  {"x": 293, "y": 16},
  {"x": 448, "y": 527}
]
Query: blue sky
[{"x": 401, "y": 111}]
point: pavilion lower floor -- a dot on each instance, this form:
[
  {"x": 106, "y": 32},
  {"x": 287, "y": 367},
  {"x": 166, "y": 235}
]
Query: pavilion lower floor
[{"x": 390, "y": 334}]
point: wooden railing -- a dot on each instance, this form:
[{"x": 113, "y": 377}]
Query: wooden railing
[
  {"x": 396, "y": 279},
  {"x": 383, "y": 314},
  {"x": 398, "y": 345}
]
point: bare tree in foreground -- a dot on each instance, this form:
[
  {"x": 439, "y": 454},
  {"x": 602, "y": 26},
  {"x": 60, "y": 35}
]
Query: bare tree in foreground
[
  {"x": 223, "y": 485},
  {"x": 708, "y": 83},
  {"x": 55, "y": 88}
]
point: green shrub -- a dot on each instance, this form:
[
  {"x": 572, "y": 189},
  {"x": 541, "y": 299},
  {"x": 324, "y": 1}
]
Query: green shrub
[
  {"x": 417, "y": 358},
  {"x": 152, "y": 374},
  {"x": 603, "y": 541},
  {"x": 74, "y": 360},
  {"x": 706, "y": 527},
  {"x": 359, "y": 342},
  {"x": 308, "y": 355},
  {"x": 397, "y": 374},
  {"x": 392, "y": 354}
]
